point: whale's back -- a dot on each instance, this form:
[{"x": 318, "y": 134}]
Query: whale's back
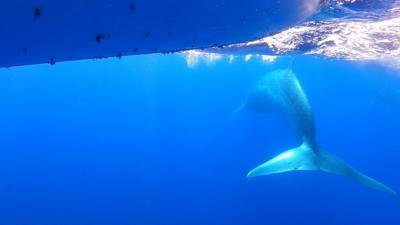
[{"x": 280, "y": 91}]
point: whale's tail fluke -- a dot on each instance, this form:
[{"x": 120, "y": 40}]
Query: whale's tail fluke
[{"x": 305, "y": 158}]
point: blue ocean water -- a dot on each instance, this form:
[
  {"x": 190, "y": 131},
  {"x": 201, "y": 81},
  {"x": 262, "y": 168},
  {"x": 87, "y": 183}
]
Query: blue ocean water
[{"x": 146, "y": 140}]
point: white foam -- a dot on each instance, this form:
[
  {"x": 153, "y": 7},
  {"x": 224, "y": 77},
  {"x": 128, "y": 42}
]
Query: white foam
[
  {"x": 193, "y": 58},
  {"x": 373, "y": 37},
  {"x": 196, "y": 57}
]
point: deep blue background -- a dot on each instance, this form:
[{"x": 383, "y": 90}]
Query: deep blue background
[{"x": 145, "y": 140}]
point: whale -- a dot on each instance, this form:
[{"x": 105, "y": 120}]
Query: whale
[{"x": 280, "y": 91}]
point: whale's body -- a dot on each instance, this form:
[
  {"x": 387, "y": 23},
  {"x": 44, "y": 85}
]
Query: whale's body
[{"x": 280, "y": 91}]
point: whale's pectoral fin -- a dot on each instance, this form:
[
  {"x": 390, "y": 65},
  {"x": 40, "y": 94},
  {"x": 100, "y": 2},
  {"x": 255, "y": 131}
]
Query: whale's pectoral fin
[
  {"x": 238, "y": 110},
  {"x": 304, "y": 158}
]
